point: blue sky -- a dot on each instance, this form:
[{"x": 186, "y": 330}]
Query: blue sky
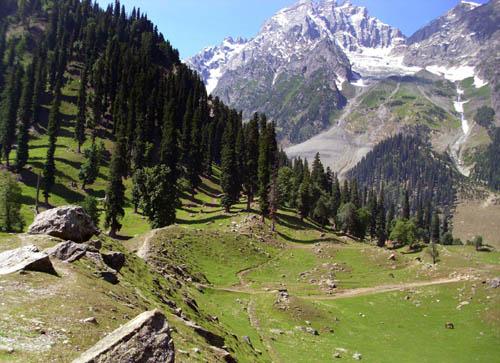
[{"x": 192, "y": 25}]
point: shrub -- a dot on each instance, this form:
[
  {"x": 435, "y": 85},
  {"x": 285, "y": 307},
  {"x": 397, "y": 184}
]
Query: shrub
[
  {"x": 10, "y": 204},
  {"x": 91, "y": 206}
]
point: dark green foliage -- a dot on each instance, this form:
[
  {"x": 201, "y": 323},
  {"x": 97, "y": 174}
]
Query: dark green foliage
[
  {"x": 485, "y": 116},
  {"x": 436, "y": 228},
  {"x": 25, "y": 119},
  {"x": 10, "y": 204},
  {"x": 82, "y": 111},
  {"x": 348, "y": 218},
  {"x": 487, "y": 168},
  {"x": 89, "y": 171},
  {"x": 156, "y": 195},
  {"x": 115, "y": 193},
  {"x": 8, "y": 111},
  {"x": 406, "y": 163},
  {"x": 404, "y": 231},
  {"x": 49, "y": 169},
  {"x": 91, "y": 206},
  {"x": 229, "y": 172},
  {"x": 251, "y": 159}
]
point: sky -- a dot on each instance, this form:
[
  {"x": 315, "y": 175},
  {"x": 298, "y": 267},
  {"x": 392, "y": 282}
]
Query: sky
[{"x": 192, "y": 25}]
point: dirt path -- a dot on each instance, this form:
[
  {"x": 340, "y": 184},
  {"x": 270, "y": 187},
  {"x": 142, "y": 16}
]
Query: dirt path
[
  {"x": 381, "y": 289},
  {"x": 143, "y": 251},
  {"x": 254, "y": 321}
]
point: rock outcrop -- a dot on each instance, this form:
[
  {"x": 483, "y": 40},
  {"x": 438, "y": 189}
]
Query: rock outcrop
[
  {"x": 68, "y": 222},
  {"x": 145, "y": 339},
  {"x": 68, "y": 251},
  {"x": 27, "y": 258}
]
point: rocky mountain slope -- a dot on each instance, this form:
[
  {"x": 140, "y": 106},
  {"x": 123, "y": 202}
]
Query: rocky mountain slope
[{"x": 314, "y": 64}]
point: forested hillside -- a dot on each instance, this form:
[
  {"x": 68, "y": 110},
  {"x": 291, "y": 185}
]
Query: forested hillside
[{"x": 137, "y": 110}]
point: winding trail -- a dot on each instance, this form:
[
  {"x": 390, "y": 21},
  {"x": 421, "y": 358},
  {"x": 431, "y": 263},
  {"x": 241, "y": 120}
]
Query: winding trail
[{"x": 381, "y": 289}]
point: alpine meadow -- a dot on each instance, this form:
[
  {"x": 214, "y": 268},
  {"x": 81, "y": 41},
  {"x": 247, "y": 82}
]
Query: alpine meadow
[{"x": 326, "y": 189}]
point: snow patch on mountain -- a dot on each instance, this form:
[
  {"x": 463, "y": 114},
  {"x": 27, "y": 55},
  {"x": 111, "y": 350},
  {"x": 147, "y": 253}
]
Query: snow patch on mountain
[{"x": 453, "y": 74}]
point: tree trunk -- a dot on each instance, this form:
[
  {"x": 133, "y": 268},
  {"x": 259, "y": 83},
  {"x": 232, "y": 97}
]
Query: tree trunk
[
  {"x": 79, "y": 148},
  {"x": 37, "y": 194}
]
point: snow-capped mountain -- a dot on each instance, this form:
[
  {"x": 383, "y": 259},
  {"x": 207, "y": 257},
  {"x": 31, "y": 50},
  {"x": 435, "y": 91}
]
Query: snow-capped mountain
[
  {"x": 210, "y": 62},
  {"x": 311, "y": 60},
  {"x": 295, "y": 68}
]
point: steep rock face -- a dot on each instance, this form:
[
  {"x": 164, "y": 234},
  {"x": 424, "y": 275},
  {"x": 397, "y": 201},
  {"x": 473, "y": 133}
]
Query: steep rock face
[
  {"x": 144, "y": 339},
  {"x": 457, "y": 38}
]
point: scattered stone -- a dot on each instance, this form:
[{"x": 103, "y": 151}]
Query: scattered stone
[
  {"x": 145, "y": 339},
  {"x": 196, "y": 350},
  {"x": 224, "y": 355},
  {"x": 357, "y": 356},
  {"x": 109, "y": 276},
  {"x": 494, "y": 283},
  {"x": 68, "y": 223},
  {"x": 25, "y": 258},
  {"x": 91, "y": 320},
  {"x": 94, "y": 245},
  {"x": 68, "y": 251},
  {"x": 311, "y": 331},
  {"x": 392, "y": 257},
  {"x": 449, "y": 325},
  {"x": 115, "y": 260},
  {"x": 337, "y": 355},
  {"x": 247, "y": 340},
  {"x": 462, "y": 304}
]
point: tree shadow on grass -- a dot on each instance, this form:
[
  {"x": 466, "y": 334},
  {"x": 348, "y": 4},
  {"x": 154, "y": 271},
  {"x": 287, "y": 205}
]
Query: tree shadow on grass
[
  {"x": 204, "y": 220},
  {"x": 308, "y": 241},
  {"x": 211, "y": 192}
]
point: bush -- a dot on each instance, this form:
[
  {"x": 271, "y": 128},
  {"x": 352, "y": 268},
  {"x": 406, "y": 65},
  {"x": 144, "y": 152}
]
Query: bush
[
  {"x": 447, "y": 239},
  {"x": 10, "y": 204},
  {"x": 91, "y": 206},
  {"x": 457, "y": 242},
  {"x": 404, "y": 232}
]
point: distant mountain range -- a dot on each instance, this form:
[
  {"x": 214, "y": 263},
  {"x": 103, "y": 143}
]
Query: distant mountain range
[{"x": 313, "y": 65}]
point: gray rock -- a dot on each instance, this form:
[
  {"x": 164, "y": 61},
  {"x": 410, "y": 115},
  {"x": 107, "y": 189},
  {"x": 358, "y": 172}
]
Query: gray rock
[
  {"x": 247, "y": 340},
  {"x": 69, "y": 223},
  {"x": 145, "y": 339},
  {"x": 68, "y": 251},
  {"x": 357, "y": 356},
  {"x": 494, "y": 283},
  {"x": 210, "y": 337},
  {"x": 27, "y": 258},
  {"x": 115, "y": 260}
]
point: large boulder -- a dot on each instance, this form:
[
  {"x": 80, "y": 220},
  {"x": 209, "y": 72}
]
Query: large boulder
[
  {"x": 145, "y": 339},
  {"x": 27, "y": 258},
  {"x": 68, "y": 251},
  {"x": 69, "y": 223}
]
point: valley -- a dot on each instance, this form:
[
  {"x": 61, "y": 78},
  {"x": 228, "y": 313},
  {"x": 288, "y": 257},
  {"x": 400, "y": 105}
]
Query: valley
[{"x": 327, "y": 189}]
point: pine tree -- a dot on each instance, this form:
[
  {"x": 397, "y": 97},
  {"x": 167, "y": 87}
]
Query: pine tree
[
  {"x": 381, "y": 220},
  {"x": 8, "y": 111},
  {"x": 228, "y": 180},
  {"x": 25, "y": 117},
  {"x": 82, "y": 112},
  {"x": 304, "y": 197},
  {"x": 252, "y": 159},
  {"x": 52, "y": 131},
  {"x": 115, "y": 193},
  {"x": 11, "y": 219},
  {"x": 263, "y": 168},
  {"x": 194, "y": 167},
  {"x": 89, "y": 171},
  {"x": 405, "y": 214},
  {"x": 435, "y": 228}
]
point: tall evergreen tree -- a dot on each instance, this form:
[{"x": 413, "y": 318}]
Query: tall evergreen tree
[
  {"x": 25, "y": 117},
  {"x": 381, "y": 220},
  {"x": 263, "y": 168},
  {"x": 8, "y": 111},
  {"x": 115, "y": 193},
  {"x": 49, "y": 169},
  {"x": 435, "y": 228},
  {"x": 229, "y": 178},
  {"x": 252, "y": 159},
  {"x": 82, "y": 112}
]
